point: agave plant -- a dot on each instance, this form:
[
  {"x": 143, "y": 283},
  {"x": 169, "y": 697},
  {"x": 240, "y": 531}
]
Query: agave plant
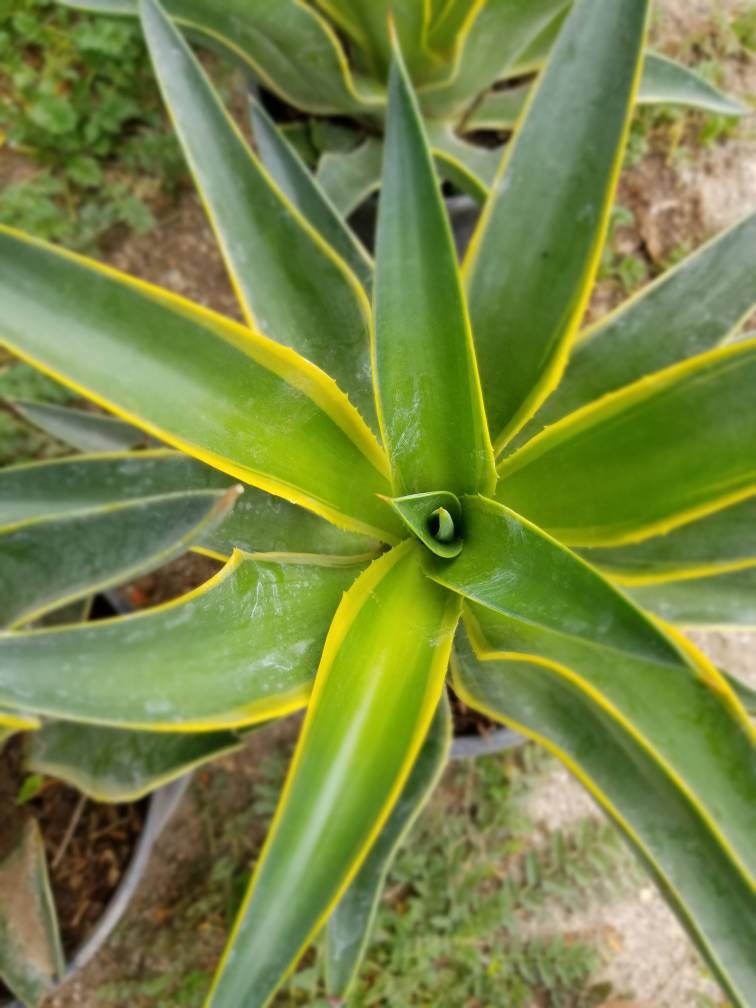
[
  {"x": 471, "y": 63},
  {"x": 480, "y": 495}
]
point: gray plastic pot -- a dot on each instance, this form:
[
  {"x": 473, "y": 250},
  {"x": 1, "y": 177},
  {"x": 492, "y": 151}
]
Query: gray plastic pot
[
  {"x": 162, "y": 805},
  {"x": 470, "y": 746}
]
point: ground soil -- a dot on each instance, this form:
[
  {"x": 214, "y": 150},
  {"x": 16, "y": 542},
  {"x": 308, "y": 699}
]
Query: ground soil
[{"x": 675, "y": 201}]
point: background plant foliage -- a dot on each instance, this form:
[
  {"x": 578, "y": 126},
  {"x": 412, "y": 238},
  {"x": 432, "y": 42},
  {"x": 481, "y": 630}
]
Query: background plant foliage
[{"x": 77, "y": 97}]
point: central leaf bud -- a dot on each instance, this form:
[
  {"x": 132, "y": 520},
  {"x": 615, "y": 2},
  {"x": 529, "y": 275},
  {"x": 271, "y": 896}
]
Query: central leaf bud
[
  {"x": 441, "y": 526},
  {"x": 435, "y": 518}
]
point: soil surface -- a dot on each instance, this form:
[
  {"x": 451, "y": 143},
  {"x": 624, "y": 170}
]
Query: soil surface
[{"x": 677, "y": 198}]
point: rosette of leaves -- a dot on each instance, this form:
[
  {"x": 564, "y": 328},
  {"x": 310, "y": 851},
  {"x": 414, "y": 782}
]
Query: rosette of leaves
[
  {"x": 482, "y": 494},
  {"x": 472, "y": 64}
]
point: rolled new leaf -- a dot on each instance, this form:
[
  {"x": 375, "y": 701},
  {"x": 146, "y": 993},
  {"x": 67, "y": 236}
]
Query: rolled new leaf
[
  {"x": 703, "y": 885},
  {"x": 49, "y": 562},
  {"x": 552, "y": 605},
  {"x": 350, "y": 924},
  {"x": 647, "y": 458},
  {"x": 259, "y": 625},
  {"x": 378, "y": 685},
  {"x": 291, "y": 284},
  {"x": 531, "y": 264},
  {"x": 235, "y": 399},
  {"x": 422, "y": 340}
]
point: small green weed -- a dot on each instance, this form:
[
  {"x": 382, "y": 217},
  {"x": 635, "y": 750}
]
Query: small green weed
[
  {"x": 676, "y": 133},
  {"x": 626, "y": 270},
  {"x": 744, "y": 27},
  {"x": 77, "y": 98}
]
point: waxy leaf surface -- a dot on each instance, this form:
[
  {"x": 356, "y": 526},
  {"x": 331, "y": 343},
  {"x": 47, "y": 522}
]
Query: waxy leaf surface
[
  {"x": 655, "y": 454},
  {"x": 429, "y": 401},
  {"x": 699, "y": 880},
  {"x": 377, "y": 688},
  {"x": 47, "y": 562},
  {"x": 687, "y": 311},
  {"x": 532, "y": 261},
  {"x": 239, "y": 650},
  {"x": 531, "y": 596},
  {"x": 290, "y": 283},
  {"x": 350, "y": 924},
  {"x": 205, "y": 384}
]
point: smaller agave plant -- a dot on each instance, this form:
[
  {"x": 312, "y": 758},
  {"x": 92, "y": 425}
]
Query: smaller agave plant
[
  {"x": 480, "y": 495},
  {"x": 472, "y": 64}
]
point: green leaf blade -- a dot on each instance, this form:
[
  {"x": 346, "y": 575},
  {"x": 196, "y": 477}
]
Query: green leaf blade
[
  {"x": 687, "y": 311},
  {"x": 81, "y": 429},
  {"x": 666, "y": 82},
  {"x": 211, "y": 387},
  {"x": 269, "y": 39},
  {"x": 290, "y": 283},
  {"x": 551, "y": 605},
  {"x": 723, "y": 540},
  {"x": 77, "y": 672},
  {"x": 349, "y": 926},
  {"x": 364, "y": 728},
  {"x": 31, "y": 958},
  {"x": 112, "y": 765},
  {"x": 50, "y": 562},
  {"x": 533, "y": 258},
  {"x": 296, "y": 181},
  {"x": 489, "y": 44},
  {"x": 630, "y": 465},
  {"x": 427, "y": 384},
  {"x": 718, "y": 602},
  {"x": 703, "y": 886},
  {"x": 258, "y": 523}
]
